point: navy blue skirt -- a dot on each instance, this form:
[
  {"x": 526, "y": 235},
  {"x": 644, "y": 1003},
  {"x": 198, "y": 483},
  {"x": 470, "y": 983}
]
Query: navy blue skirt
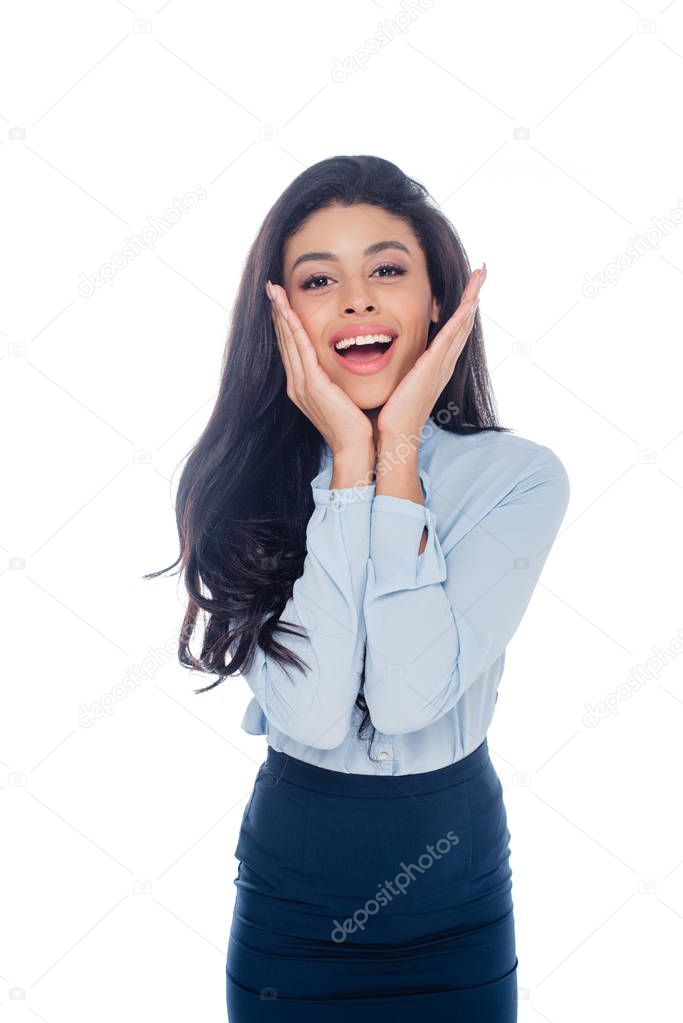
[{"x": 367, "y": 897}]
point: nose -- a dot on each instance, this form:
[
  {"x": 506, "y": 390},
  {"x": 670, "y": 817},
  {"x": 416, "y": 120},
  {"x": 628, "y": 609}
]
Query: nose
[
  {"x": 353, "y": 308},
  {"x": 355, "y": 297}
]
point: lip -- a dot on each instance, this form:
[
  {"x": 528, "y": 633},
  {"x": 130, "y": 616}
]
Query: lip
[
  {"x": 366, "y": 368},
  {"x": 357, "y": 329},
  {"x": 371, "y": 366}
]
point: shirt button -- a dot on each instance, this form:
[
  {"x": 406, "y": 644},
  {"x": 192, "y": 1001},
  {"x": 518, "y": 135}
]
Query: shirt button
[{"x": 383, "y": 755}]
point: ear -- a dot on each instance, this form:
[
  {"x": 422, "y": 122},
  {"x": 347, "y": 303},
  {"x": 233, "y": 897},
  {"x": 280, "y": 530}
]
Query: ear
[{"x": 436, "y": 310}]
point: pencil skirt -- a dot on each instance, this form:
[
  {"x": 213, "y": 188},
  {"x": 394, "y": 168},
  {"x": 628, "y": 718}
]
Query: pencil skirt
[{"x": 373, "y": 897}]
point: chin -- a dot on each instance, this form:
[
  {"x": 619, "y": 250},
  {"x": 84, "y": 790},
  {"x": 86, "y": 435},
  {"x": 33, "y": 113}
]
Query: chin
[{"x": 370, "y": 397}]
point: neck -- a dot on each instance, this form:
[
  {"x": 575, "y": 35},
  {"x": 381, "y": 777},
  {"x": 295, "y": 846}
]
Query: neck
[{"x": 372, "y": 414}]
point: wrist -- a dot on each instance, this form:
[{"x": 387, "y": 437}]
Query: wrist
[
  {"x": 400, "y": 447},
  {"x": 398, "y": 472},
  {"x": 353, "y": 467},
  {"x": 397, "y": 455}
]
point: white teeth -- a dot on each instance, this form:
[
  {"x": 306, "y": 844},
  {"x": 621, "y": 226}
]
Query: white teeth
[{"x": 363, "y": 339}]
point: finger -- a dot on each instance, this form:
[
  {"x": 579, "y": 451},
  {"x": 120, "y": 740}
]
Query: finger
[
  {"x": 295, "y": 328},
  {"x": 279, "y": 334},
  {"x": 474, "y": 300},
  {"x": 304, "y": 347},
  {"x": 313, "y": 376},
  {"x": 470, "y": 296},
  {"x": 289, "y": 343},
  {"x": 469, "y": 299},
  {"x": 475, "y": 283},
  {"x": 454, "y": 332},
  {"x": 279, "y": 325},
  {"x": 462, "y": 320}
]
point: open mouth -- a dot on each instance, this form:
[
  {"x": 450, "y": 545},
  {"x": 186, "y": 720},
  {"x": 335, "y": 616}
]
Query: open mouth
[
  {"x": 371, "y": 355},
  {"x": 365, "y": 352}
]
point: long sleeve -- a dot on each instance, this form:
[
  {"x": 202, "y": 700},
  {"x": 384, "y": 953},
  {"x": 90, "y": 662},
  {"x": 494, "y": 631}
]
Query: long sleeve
[
  {"x": 314, "y": 707},
  {"x": 435, "y": 621}
]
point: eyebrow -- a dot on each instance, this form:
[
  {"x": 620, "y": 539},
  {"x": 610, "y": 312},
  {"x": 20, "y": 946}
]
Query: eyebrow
[{"x": 370, "y": 251}]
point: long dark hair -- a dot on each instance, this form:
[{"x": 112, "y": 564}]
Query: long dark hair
[{"x": 244, "y": 495}]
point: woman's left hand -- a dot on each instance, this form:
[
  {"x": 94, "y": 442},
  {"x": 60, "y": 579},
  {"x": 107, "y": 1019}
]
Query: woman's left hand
[{"x": 406, "y": 411}]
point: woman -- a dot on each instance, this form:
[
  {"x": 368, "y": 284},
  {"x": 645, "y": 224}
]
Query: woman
[{"x": 353, "y": 493}]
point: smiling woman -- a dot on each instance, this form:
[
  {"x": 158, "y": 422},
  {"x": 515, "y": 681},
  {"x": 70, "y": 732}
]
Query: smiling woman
[
  {"x": 364, "y": 288},
  {"x": 352, "y": 522}
]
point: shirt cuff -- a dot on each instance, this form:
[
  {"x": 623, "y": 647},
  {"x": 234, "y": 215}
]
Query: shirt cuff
[
  {"x": 340, "y": 497},
  {"x": 396, "y": 527}
]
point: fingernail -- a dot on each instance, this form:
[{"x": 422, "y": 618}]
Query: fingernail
[{"x": 269, "y": 290}]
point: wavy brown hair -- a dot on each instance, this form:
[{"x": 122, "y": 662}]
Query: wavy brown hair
[{"x": 244, "y": 496}]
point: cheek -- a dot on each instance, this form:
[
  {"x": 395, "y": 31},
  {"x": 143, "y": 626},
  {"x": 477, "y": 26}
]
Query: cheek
[
  {"x": 410, "y": 352},
  {"x": 313, "y": 334},
  {"x": 312, "y": 322},
  {"x": 322, "y": 350}
]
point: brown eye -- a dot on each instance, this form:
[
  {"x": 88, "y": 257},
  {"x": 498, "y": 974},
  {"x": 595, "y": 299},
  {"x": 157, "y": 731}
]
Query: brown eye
[
  {"x": 391, "y": 266},
  {"x": 314, "y": 277},
  {"x": 307, "y": 284}
]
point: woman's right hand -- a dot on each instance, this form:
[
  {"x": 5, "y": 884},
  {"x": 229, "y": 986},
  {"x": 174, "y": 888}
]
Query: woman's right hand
[{"x": 345, "y": 427}]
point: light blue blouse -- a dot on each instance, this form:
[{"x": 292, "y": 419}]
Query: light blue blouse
[{"x": 435, "y": 626}]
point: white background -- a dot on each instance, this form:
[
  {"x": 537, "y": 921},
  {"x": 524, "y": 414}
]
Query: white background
[{"x": 550, "y": 135}]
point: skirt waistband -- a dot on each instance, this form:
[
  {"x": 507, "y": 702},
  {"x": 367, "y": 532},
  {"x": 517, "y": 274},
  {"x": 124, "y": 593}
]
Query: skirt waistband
[{"x": 283, "y": 767}]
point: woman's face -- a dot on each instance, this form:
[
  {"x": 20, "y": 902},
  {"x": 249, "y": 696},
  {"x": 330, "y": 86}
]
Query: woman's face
[{"x": 339, "y": 284}]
